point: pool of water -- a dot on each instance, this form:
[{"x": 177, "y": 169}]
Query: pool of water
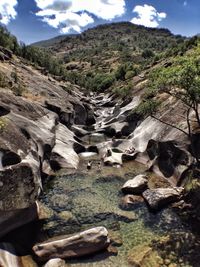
[{"x": 82, "y": 199}]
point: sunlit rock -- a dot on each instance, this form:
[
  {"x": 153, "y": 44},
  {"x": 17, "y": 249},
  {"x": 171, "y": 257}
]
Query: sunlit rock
[
  {"x": 84, "y": 243},
  {"x": 136, "y": 185},
  {"x": 159, "y": 197}
]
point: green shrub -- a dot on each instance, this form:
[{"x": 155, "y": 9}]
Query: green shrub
[
  {"x": 99, "y": 82},
  {"x": 147, "y": 53},
  {"x": 120, "y": 72},
  {"x": 123, "y": 91},
  {"x": 147, "y": 107}
]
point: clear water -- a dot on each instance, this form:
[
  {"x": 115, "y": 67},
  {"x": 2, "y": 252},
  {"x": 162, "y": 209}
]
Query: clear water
[{"x": 79, "y": 200}]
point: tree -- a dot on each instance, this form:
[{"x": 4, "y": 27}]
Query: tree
[
  {"x": 182, "y": 81},
  {"x": 147, "y": 53}
]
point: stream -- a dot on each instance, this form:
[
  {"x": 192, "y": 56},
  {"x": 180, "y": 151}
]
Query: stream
[{"x": 75, "y": 200}]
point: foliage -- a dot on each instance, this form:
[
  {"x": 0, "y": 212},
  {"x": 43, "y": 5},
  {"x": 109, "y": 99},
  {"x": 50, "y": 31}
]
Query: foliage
[
  {"x": 147, "y": 53},
  {"x": 121, "y": 50},
  {"x": 38, "y": 56},
  {"x": 123, "y": 91},
  {"x": 181, "y": 80},
  {"x": 120, "y": 72},
  {"x": 147, "y": 107},
  {"x": 99, "y": 82},
  {"x": 9, "y": 41}
]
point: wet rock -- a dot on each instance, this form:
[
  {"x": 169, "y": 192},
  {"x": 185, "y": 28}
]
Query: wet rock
[
  {"x": 84, "y": 243},
  {"x": 55, "y": 263},
  {"x": 136, "y": 185},
  {"x": 143, "y": 256},
  {"x": 159, "y": 197},
  {"x": 112, "y": 251},
  {"x": 119, "y": 216},
  {"x": 116, "y": 238},
  {"x": 129, "y": 200}
]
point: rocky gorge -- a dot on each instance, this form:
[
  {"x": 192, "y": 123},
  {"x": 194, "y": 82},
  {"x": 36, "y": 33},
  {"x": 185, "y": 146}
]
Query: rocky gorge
[{"x": 115, "y": 214}]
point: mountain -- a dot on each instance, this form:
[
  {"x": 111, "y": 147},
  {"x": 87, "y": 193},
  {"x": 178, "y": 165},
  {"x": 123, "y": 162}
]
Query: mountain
[{"x": 101, "y": 57}]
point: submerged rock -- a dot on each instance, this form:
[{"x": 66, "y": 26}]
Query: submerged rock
[
  {"x": 159, "y": 197},
  {"x": 81, "y": 244},
  {"x": 129, "y": 200},
  {"x": 143, "y": 256},
  {"x": 136, "y": 185}
]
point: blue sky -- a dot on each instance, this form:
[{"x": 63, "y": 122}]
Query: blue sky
[{"x": 34, "y": 20}]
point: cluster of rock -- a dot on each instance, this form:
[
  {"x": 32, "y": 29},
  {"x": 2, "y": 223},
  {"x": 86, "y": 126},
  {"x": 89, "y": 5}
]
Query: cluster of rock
[
  {"x": 156, "y": 198},
  {"x": 44, "y": 130}
]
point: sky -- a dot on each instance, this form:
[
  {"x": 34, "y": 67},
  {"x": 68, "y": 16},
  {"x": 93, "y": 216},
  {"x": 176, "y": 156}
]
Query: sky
[{"x": 36, "y": 20}]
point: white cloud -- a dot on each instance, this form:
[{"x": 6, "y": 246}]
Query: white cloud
[
  {"x": 185, "y": 3},
  {"x": 74, "y": 14},
  {"x": 7, "y": 10},
  {"x": 148, "y": 16}
]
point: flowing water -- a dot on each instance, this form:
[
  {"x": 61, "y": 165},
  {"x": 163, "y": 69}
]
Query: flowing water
[
  {"x": 84, "y": 199},
  {"x": 77, "y": 200}
]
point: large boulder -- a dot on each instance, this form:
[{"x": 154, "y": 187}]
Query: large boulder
[
  {"x": 136, "y": 185},
  {"x": 64, "y": 153},
  {"x": 84, "y": 243},
  {"x": 159, "y": 197},
  {"x": 9, "y": 257}
]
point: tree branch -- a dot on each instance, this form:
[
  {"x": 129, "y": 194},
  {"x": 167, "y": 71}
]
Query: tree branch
[{"x": 171, "y": 125}]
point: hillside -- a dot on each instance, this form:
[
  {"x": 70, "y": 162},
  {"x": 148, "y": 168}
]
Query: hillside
[{"x": 104, "y": 56}]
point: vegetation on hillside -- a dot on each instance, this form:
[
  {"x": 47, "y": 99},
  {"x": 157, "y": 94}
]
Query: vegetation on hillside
[
  {"x": 109, "y": 56},
  {"x": 181, "y": 80},
  {"x": 37, "y": 56},
  {"x": 106, "y": 57}
]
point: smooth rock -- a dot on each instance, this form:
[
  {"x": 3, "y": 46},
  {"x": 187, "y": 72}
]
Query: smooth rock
[
  {"x": 136, "y": 185},
  {"x": 63, "y": 154},
  {"x": 115, "y": 158},
  {"x": 159, "y": 197},
  {"x": 10, "y": 258},
  {"x": 81, "y": 244},
  {"x": 55, "y": 263}
]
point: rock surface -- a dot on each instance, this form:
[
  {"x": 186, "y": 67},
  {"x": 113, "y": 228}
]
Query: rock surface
[
  {"x": 143, "y": 256},
  {"x": 84, "y": 243},
  {"x": 159, "y": 197},
  {"x": 136, "y": 185},
  {"x": 10, "y": 220},
  {"x": 55, "y": 263},
  {"x": 10, "y": 258}
]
